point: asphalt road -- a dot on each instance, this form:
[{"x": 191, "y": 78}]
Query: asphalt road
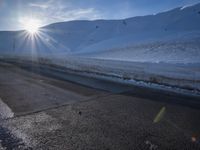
[{"x": 44, "y": 109}]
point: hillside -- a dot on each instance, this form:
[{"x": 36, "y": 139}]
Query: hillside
[{"x": 172, "y": 36}]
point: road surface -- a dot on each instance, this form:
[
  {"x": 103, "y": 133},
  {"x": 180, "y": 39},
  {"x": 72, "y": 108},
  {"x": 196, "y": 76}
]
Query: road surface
[{"x": 43, "y": 109}]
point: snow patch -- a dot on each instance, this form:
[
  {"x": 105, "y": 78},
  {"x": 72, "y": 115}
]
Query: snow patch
[
  {"x": 5, "y": 111},
  {"x": 26, "y": 127}
]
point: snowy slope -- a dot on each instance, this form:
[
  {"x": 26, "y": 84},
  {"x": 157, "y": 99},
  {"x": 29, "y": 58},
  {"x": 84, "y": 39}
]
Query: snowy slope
[{"x": 172, "y": 36}]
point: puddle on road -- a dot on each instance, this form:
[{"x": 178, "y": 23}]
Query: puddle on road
[{"x": 5, "y": 111}]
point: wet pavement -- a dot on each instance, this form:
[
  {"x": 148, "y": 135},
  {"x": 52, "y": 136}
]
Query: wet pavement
[{"x": 54, "y": 114}]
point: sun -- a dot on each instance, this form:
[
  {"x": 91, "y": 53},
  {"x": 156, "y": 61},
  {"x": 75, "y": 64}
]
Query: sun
[{"x": 31, "y": 25}]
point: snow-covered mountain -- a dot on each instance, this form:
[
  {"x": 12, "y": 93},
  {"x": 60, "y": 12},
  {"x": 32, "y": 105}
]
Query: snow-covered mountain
[{"x": 172, "y": 36}]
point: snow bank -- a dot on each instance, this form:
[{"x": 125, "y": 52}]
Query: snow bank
[
  {"x": 165, "y": 75},
  {"x": 179, "y": 75}
]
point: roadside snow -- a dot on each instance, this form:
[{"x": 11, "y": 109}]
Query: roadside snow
[
  {"x": 181, "y": 75},
  {"x": 5, "y": 111}
]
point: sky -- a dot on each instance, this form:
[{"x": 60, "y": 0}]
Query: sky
[{"x": 14, "y": 13}]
